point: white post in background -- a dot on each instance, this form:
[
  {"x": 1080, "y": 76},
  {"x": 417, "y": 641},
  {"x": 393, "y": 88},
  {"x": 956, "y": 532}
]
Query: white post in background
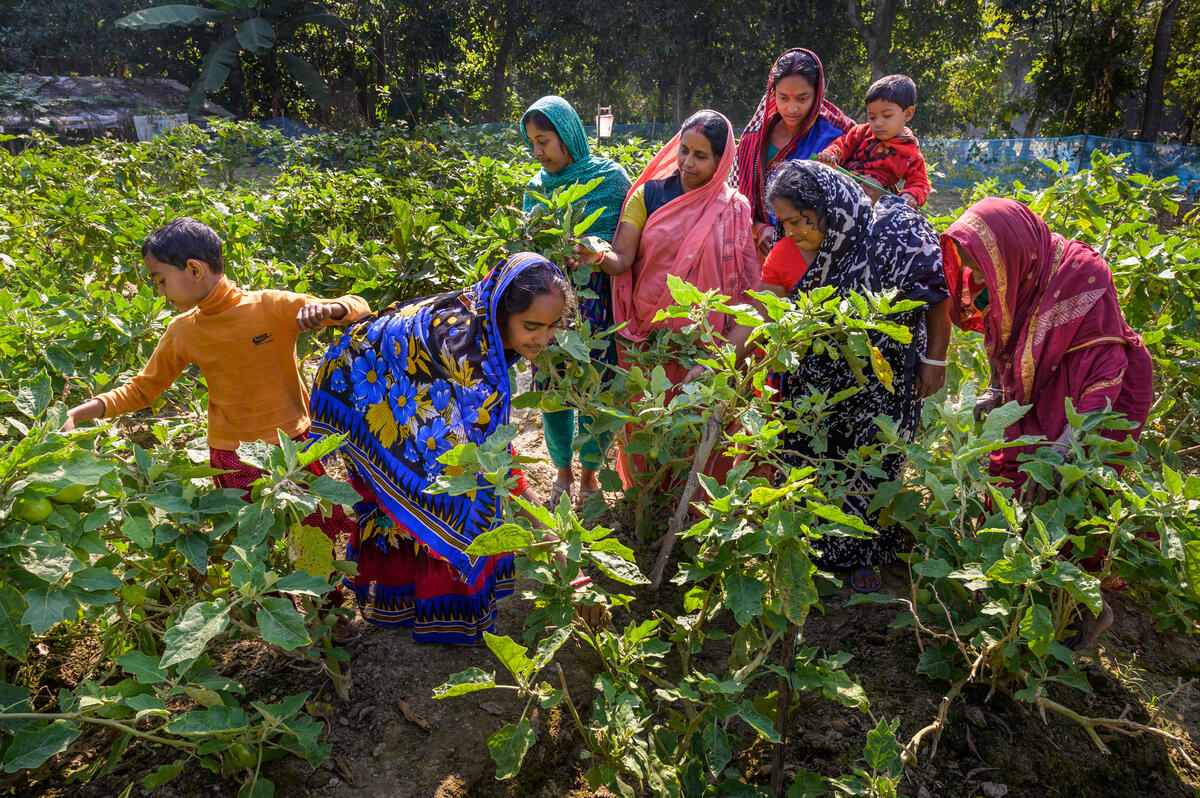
[{"x": 604, "y": 123}]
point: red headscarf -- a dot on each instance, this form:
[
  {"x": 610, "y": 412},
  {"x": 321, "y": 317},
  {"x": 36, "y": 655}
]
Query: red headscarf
[
  {"x": 1042, "y": 288},
  {"x": 748, "y": 174}
]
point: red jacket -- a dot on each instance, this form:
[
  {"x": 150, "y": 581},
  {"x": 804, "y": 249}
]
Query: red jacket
[{"x": 888, "y": 162}]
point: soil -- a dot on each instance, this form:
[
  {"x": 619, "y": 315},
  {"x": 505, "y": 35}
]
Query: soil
[{"x": 992, "y": 745}]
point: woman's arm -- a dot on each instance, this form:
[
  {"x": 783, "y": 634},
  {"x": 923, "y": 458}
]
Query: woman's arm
[
  {"x": 624, "y": 250},
  {"x": 931, "y": 374}
]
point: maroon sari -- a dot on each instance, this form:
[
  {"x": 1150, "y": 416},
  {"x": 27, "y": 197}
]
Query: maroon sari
[{"x": 1053, "y": 327}]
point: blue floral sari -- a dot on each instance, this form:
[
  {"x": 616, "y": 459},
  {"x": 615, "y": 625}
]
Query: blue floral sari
[{"x": 404, "y": 386}]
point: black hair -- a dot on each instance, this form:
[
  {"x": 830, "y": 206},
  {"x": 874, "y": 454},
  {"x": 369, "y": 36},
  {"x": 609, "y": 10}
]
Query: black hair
[
  {"x": 798, "y": 185},
  {"x": 798, "y": 62},
  {"x": 540, "y": 121},
  {"x": 712, "y": 126},
  {"x": 183, "y": 239},
  {"x": 541, "y": 278},
  {"x": 898, "y": 89}
]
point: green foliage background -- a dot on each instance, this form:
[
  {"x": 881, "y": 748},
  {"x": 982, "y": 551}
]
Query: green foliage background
[{"x": 993, "y": 67}]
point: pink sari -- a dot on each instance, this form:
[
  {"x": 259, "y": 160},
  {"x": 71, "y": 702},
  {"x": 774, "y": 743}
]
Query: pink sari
[
  {"x": 1052, "y": 326},
  {"x": 702, "y": 237}
]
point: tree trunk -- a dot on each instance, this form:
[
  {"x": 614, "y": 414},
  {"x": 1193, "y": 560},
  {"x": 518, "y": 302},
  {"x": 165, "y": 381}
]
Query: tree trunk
[
  {"x": 235, "y": 82},
  {"x": 368, "y": 89},
  {"x": 877, "y": 34},
  {"x": 680, "y": 81},
  {"x": 276, "y": 84},
  {"x": 499, "y": 87},
  {"x": 1105, "y": 100},
  {"x": 1152, "y": 110}
]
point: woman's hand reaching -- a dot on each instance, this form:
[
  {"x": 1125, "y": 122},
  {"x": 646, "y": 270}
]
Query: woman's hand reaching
[
  {"x": 582, "y": 254},
  {"x": 930, "y": 379},
  {"x": 988, "y": 401}
]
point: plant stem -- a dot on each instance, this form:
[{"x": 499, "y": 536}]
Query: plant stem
[
  {"x": 703, "y": 452},
  {"x": 909, "y": 754},
  {"x": 562, "y": 679},
  {"x": 112, "y": 724},
  {"x": 788, "y": 660}
]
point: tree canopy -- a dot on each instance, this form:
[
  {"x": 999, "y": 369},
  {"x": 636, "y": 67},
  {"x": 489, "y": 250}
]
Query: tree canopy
[{"x": 982, "y": 67}]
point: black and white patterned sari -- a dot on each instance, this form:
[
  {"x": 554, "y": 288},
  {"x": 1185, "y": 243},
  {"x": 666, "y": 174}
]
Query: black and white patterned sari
[{"x": 885, "y": 246}]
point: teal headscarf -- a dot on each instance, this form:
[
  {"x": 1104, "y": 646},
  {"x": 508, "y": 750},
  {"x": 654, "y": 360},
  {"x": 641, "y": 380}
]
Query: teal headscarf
[{"x": 586, "y": 167}]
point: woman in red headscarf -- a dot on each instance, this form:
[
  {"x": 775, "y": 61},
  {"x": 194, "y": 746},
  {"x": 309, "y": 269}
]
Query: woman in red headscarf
[
  {"x": 793, "y": 121},
  {"x": 1050, "y": 319}
]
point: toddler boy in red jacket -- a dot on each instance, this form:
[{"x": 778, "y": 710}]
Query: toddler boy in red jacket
[{"x": 884, "y": 149}]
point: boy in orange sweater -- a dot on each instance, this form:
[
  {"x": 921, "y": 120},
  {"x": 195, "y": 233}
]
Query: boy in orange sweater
[
  {"x": 884, "y": 149},
  {"x": 244, "y": 343}
]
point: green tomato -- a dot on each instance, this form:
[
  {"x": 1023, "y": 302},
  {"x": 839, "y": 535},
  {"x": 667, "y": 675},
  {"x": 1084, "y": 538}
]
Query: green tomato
[
  {"x": 35, "y": 511},
  {"x": 69, "y": 495},
  {"x": 240, "y": 756},
  {"x": 922, "y": 595}
]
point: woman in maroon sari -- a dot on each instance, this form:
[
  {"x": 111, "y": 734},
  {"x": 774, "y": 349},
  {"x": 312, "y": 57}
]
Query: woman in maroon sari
[
  {"x": 1053, "y": 329},
  {"x": 1050, "y": 319}
]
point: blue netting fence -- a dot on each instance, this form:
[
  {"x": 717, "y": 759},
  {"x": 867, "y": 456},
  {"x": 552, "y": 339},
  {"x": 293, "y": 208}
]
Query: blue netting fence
[{"x": 960, "y": 163}]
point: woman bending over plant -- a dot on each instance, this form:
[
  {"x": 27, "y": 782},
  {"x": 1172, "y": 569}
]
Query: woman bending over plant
[
  {"x": 1053, "y": 330},
  {"x": 1051, "y": 323},
  {"x": 557, "y": 140},
  {"x": 405, "y": 385},
  {"x": 680, "y": 219},
  {"x": 856, "y": 247}
]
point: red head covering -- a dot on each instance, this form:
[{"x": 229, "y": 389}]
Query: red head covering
[
  {"x": 1041, "y": 288},
  {"x": 748, "y": 174}
]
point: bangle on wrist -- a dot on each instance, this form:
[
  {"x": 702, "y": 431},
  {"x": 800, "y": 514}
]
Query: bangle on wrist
[
  {"x": 581, "y": 581},
  {"x": 928, "y": 361}
]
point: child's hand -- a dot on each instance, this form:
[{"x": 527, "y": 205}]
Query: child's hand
[
  {"x": 910, "y": 200},
  {"x": 827, "y": 158},
  {"x": 311, "y": 316},
  {"x": 91, "y": 409}
]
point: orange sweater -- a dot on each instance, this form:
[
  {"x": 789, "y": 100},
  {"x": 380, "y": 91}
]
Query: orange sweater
[{"x": 245, "y": 346}]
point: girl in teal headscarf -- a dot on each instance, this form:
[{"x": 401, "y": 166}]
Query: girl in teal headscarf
[{"x": 557, "y": 140}]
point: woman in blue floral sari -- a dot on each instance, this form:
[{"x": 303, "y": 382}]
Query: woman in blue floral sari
[{"x": 404, "y": 386}]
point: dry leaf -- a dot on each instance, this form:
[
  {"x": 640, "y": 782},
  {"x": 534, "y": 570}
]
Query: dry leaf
[
  {"x": 412, "y": 717},
  {"x": 344, "y": 772},
  {"x": 491, "y": 707},
  {"x": 320, "y": 709}
]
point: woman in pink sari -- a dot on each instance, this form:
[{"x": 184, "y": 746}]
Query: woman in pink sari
[
  {"x": 1050, "y": 319},
  {"x": 680, "y": 218}
]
